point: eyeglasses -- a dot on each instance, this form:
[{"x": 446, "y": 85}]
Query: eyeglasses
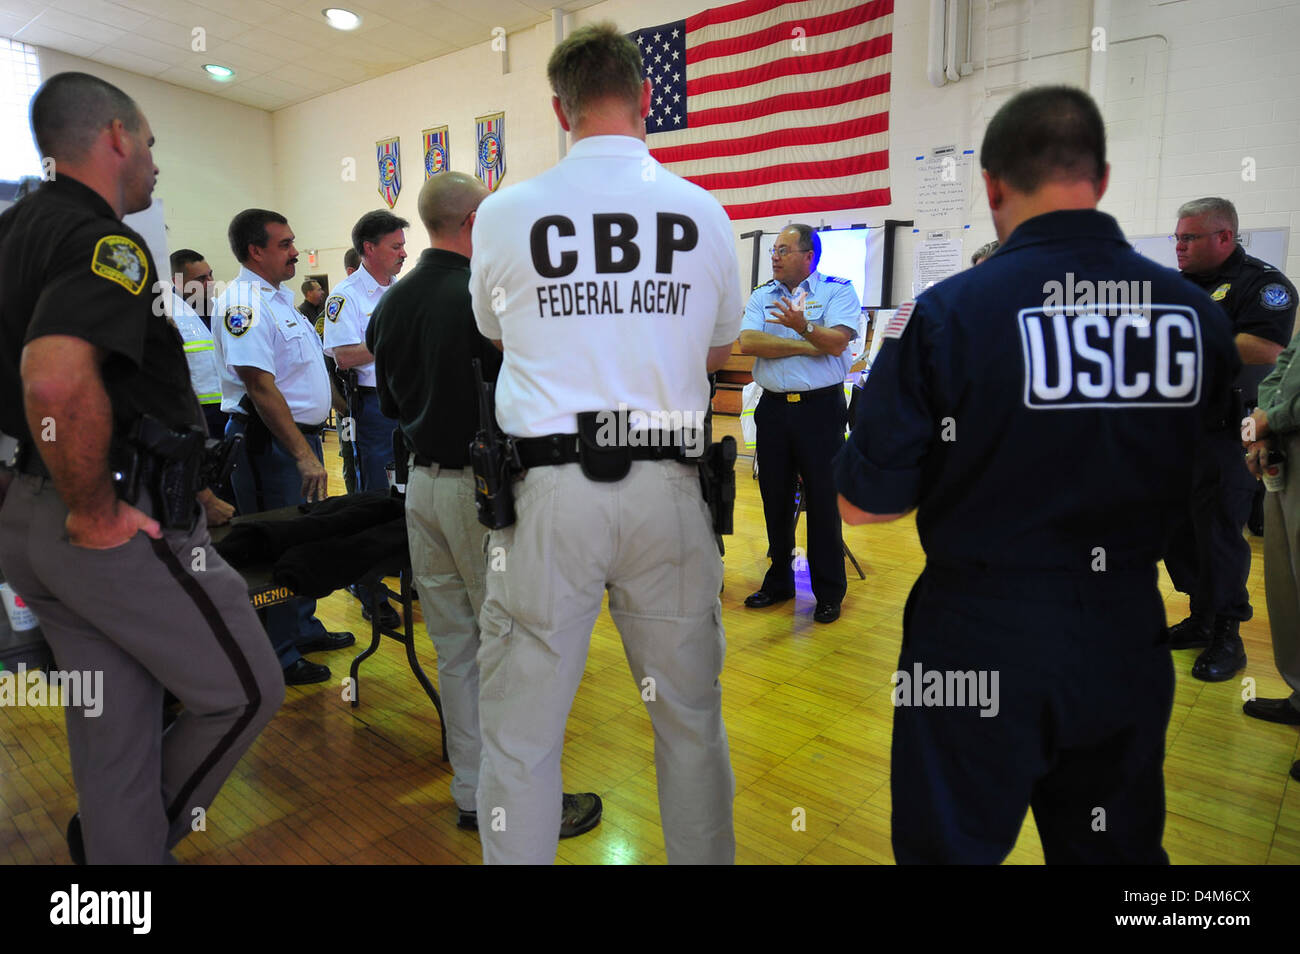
[
  {"x": 781, "y": 251},
  {"x": 1187, "y": 238}
]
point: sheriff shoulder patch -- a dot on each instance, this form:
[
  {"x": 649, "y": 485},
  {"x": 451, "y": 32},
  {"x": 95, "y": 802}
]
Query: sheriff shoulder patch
[
  {"x": 1221, "y": 292},
  {"x": 334, "y": 306},
  {"x": 1275, "y": 297},
  {"x": 120, "y": 260},
  {"x": 239, "y": 318}
]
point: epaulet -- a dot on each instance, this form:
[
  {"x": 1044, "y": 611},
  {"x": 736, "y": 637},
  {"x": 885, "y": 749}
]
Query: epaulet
[
  {"x": 837, "y": 281},
  {"x": 770, "y": 281}
]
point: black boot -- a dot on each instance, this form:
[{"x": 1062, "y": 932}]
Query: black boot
[
  {"x": 1191, "y": 633},
  {"x": 1225, "y": 657}
]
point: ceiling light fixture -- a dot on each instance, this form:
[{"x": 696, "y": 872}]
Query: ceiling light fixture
[
  {"x": 218, "y": 72},
  {"x": 341, "y": 19}
]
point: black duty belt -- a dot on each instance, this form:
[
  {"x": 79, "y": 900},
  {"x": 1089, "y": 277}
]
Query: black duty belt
[
  {"x": 364, "y": 389},
  {"x": 311, "y": 430},
  {"x": 557, "y": 449},
  {"x": 794, "y": 397},
  {"x": 422, "y": 461}
]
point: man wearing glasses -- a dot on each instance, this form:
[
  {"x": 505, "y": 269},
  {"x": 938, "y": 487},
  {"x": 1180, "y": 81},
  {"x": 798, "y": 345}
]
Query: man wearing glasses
[
  {"x": 799, "y": 326},
  {"x": 1208, "y": 558}
]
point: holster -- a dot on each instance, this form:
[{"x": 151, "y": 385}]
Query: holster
[
  {"x": 257, "y": 436},
  {"x": 171, "y": 465},
  {"x": 718, "y": 483}
]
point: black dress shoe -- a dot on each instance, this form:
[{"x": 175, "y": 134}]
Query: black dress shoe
[
  {"x": 761, "y": 599},
  {"x": 389, "y": 618},
  {"x": 1191, "y": 633},
  {"x": 579, "y": 813},
  {"x": 304, "y": 673},
  {"x": 1273, "y": 710},
  {"x": 76, "y": 846},
  {"x": 1295, "y": 771},
  {"x": 1225, "y": 657},
  {"x": 468, "y": 821},
  {"x": 327, "y": 641},
  {"x": 826, "y": 612}
]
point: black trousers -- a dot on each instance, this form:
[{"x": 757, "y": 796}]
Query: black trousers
[
  {"x": 801, "y": 439},
  {"x": 1068, "y": 686},
  {"x": 1207, "y": 557}
]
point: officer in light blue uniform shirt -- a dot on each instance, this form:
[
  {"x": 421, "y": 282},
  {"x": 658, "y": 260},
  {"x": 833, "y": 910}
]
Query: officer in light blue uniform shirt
[{"x": 798, "y": 326}]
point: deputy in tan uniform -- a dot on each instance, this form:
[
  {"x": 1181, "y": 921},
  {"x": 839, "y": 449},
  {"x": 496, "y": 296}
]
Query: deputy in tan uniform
[{"x": 85, "y": 360}]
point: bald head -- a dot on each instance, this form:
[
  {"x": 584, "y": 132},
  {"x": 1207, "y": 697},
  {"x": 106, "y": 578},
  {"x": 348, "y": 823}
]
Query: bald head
[
  {"x": 70, "y": 110},
  {"x": 446, "y": 200}
]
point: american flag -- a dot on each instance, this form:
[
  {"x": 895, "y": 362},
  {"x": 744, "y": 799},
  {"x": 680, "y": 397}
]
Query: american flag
[
  {"x": 777, "y": 107},
  {"x": 898, "y": 323}
]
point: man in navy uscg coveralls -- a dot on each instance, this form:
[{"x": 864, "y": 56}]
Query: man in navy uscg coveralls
[{"x": 1046, "y": 440}]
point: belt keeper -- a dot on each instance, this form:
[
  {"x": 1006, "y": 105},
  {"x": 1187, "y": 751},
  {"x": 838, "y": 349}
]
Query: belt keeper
[{"x": 793, "y": 397}]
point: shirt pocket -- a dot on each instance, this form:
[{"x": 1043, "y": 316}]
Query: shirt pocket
[{"x": 295, "y": 339}]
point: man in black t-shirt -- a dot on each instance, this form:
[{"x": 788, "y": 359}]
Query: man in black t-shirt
[
  {"x": 85, "y": 351},
  {"x": 424, "y": 340}
]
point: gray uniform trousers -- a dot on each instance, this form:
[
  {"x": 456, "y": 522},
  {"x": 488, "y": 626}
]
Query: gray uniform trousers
[
  {"x": 145, "y": 616},
  {"x": 1282, "y": 568},
  {"x": 447, "y": 563},
  {"x": 648, "y": 538}
]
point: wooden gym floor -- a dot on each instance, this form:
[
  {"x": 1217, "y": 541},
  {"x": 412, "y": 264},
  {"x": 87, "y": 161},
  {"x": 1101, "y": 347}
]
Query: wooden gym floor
[{"x": 807, "y": 711}]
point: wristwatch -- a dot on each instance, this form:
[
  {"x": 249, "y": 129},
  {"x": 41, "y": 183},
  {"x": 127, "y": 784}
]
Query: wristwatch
[{"x": 807, "y": 327}]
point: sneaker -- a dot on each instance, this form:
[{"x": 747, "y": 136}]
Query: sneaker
[{"x": 579, "y": 813}]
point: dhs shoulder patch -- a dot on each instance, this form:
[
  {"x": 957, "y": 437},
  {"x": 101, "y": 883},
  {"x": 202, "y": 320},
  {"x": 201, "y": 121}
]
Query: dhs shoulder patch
[
  {"x": 334, "y": 306},
  {"x": 1221, "y": 292},
  {"x": 1275, "y": 297},
  {"x": 239, "y": 318},
  {"x": 120, "y": 260}
]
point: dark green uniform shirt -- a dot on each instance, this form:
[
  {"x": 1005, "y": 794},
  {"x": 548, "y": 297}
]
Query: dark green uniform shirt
[
  {"x": 69, "y": 266},
  {"x": 424, "y": 340}
]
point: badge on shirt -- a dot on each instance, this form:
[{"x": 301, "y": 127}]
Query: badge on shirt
[
  {"x": 1275, "y": 297},
  {"x": 120, "y": 260},
  {"x": 239, "y": 318},
  {"x": 1221, "y": 292},
  {"x": 334, "y": 306}
]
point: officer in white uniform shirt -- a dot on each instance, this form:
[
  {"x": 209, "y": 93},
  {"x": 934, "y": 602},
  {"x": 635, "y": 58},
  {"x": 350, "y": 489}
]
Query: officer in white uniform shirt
[
  {"x": 606, "y": 280},
  {"x": 277, "y": 392},
  {"x": 379, "y": 238}
]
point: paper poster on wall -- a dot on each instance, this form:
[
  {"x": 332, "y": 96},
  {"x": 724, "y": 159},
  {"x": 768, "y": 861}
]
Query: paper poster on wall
[
  {"x": 937, "y": 255},
  {"x": 943, "y": 185}
]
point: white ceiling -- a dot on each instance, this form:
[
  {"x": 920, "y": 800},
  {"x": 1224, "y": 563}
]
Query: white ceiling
[{"x": 282, "y": 51}]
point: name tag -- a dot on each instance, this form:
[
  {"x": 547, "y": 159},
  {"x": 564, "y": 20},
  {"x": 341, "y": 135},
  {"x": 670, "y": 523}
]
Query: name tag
[{"x": 1087, "y": 357}]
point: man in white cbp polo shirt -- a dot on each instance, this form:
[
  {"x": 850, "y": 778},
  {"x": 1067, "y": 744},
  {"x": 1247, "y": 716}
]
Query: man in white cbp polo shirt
[
  {"x": 277, "y": 392},
  {"x": 379, "y": 238},
  {"x": 607, "y": 281}
]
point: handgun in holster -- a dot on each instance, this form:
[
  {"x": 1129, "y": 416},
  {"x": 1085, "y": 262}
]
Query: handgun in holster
[
  {"x": 718, "y": 483},
  {"x": 495, "y": 463},
  {"x": 172, "y": 466}
]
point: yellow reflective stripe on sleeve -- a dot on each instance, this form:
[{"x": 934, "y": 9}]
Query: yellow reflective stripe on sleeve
[
  {"x": 209, "y": 398},
  {"x": 195, "y": 346}
]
